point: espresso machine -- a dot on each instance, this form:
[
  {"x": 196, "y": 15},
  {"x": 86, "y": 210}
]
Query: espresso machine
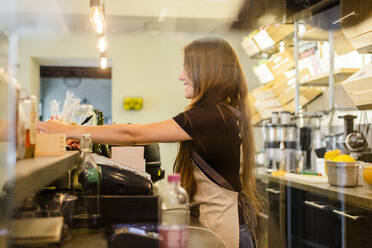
[{"x": 355, "y": 141}]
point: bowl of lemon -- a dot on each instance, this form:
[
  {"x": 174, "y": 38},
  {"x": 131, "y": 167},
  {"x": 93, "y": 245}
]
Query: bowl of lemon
[{"x": 342, "y": 169}]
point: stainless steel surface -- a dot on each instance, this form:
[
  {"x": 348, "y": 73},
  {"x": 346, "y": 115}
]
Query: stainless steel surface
[
  {"x": 343, "y": 174},
  {"x": 346, "y": 215},
  {"x": 291, "y": 160},
  {"x": 313, "y": 204},
  {"x": 291, "y": 133}
]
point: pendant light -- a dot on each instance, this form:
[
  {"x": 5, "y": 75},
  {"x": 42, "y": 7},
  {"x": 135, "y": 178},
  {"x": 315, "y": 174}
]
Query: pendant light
[
  {"x": 102, "y": 43},
  {"x": 96, "y": 12},
  {"x": 103, "y": 61}
]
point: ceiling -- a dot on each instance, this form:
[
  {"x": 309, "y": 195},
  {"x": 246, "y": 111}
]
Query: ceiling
[{"x": 123, "y": 16}]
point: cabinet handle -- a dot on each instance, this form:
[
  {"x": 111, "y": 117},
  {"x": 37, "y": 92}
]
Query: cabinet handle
[
  {"x": 272, "y": 191},
  {"x": 346, "y": 215},
  {"x": 313, "y": 204}
]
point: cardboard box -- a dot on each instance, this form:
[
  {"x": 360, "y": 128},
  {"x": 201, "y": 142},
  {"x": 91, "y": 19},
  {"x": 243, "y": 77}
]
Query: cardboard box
[
  {"x": 289, "y": 80},
  {"x": 268, "y": 103},
  {"x": 306, "y": 96},
  {"x": 264, "y": 94},
  {"x": 263, "y": 73},
  {"x": 132, "y": 156},
  {"x": 342, "y": 45},
  {"x": 272, "y": 34},
  {"x": 250, "y": 46},
  {"x": 49, "y": 145},
  {"x": 357, "y": 28},
  {"x": 281, "y": 62},
  {"x": 359, "y": 23},
  {"x": 359, "y": 88},
  {"x": 362, "y": 43}
]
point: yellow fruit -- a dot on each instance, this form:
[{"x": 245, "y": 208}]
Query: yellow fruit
[
  {"x": 343, "y": 158},
  {"x": 367, "y": 174},
  {"x": 332, "y": 154}
]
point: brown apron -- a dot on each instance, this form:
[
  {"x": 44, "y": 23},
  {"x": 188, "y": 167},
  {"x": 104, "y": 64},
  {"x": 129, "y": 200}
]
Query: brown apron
[
  {"x": 218, "y": 208},
  {"x": 217, "y": 203}
]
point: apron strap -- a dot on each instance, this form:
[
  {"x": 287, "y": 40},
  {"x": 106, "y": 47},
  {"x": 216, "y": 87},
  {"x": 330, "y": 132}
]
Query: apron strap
[{"x": 210, "y": 172}]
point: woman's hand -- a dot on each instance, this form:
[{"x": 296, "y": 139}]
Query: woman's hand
[
  {"x": 53, "y": 127},
  {"x": 73, "y": 144}
]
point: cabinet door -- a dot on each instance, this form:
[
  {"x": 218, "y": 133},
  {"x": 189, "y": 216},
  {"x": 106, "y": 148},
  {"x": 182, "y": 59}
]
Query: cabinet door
[
  {"x": 277, "y": 216},
  {"x": 355, "y": 226},
  {"x": 262, "y": 218},
  {"x": 318, "y": 221},
  {"x": 322, "y": 227}
]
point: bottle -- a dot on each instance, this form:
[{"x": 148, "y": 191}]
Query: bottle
[
  {"x": 101, "y": 149},
  {"x": 86, "y": 182},
  {"x": 175, "y": 214},
  {"x": 29, "y": 112}
]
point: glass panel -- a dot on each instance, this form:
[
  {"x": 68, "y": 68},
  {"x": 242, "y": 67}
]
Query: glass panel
[
  {"x": 99, "y": 62},
  {"x": 8, "y": 106}
]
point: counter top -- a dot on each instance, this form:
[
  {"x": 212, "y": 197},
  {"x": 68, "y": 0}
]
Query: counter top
[
  {"x": 360, "y": 196},
  {"x": 201, "y": 238},
  {"x": 33, "y": 174}
]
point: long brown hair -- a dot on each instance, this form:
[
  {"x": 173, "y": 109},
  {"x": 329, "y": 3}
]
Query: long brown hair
[{"x": 213, "y": 66}]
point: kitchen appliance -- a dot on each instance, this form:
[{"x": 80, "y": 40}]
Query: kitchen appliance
[
  {"x": 355, "y": 141},
  {"x": 290, "y": 148},
  {"x": 272, "y": 144},
  {"x": 305, "y": 146},
  {"x": 119, "y": 179},
  {"x": 288, "y": 140},
  {"x": 153, "y": 163},
  {"x": 343, "y": 174}
]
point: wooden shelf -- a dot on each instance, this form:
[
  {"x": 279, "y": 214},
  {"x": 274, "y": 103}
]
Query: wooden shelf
[
  {"x": 33, "y": 174},
  {"x": 322, "y": 79}
]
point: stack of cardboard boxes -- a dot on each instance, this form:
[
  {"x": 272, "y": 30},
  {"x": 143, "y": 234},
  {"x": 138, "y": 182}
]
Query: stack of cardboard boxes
[
  {"x": 265, "y": 38},
  {"x": 278, "y": 93}
]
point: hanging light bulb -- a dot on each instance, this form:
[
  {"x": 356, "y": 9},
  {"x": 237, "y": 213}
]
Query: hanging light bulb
[
  {"x": 103, "y": 61},
  {"x": 96, "y": 12},
  {"x": 99, "y": 27},
  {"x": 102, "y": 43}
]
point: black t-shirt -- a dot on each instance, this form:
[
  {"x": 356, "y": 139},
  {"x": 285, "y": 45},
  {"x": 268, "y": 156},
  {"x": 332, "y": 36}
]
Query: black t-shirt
[{"x": 216, "y": 138}]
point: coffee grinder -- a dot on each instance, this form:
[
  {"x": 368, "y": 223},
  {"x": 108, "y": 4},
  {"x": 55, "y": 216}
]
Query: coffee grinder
[{"x": 288, "y": 138}]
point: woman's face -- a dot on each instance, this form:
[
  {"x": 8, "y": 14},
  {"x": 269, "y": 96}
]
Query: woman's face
[{"x": 189, "y": 85}]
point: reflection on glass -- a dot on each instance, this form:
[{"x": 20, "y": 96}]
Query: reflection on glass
[{"x": 7, "y": 137}]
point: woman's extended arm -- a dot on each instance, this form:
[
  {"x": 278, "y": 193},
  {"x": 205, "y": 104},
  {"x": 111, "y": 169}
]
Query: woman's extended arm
[{"x": 121, "y": 134}]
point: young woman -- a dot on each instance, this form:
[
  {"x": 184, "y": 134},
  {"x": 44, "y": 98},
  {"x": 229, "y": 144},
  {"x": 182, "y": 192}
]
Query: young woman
[{"x": 216, "y": 154}]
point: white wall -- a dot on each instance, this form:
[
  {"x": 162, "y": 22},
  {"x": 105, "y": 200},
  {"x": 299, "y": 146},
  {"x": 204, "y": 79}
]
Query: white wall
[{"x": 142, "y": 65}]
